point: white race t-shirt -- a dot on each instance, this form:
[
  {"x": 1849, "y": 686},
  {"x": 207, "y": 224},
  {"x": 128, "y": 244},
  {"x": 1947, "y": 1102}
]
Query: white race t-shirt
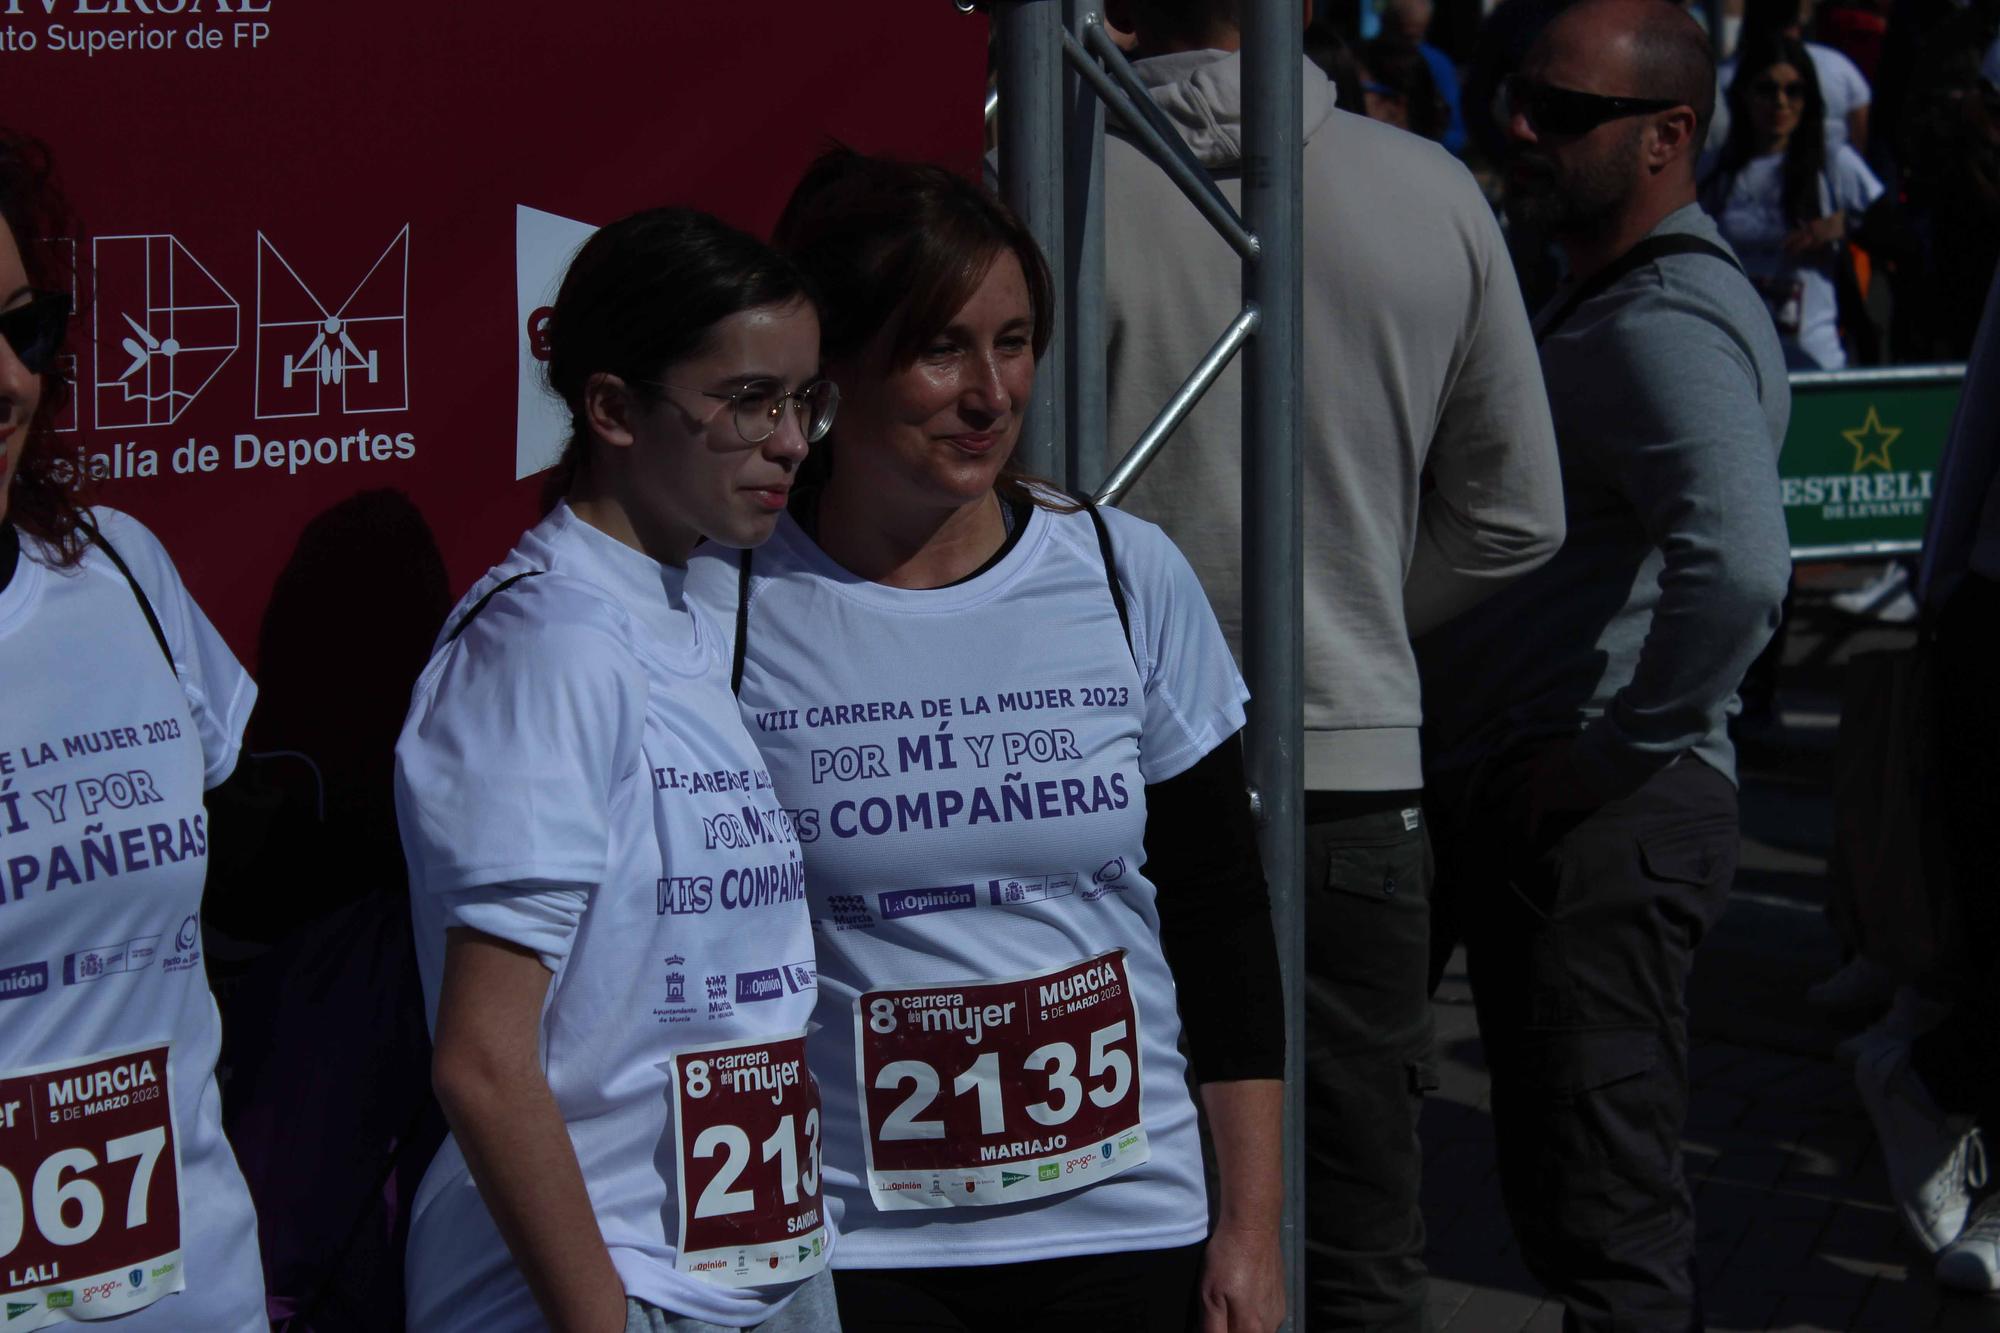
[
  {"x": 1841, "y": 83},
  {"x": 966, "y": 767},
  {"x": 1800, "y": 296},
  {"x": 574, "y": 778},
  {"x": 108, "y": 1148}
]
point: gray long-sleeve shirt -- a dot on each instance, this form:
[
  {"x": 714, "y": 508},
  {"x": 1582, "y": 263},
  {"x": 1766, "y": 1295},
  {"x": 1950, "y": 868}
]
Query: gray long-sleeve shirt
[{"x": 1670, "y": 402}]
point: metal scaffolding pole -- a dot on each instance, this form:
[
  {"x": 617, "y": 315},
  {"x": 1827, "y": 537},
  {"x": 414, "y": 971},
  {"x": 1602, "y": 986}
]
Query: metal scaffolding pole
[
  {"x": 1052, "y": 152},
  {"x": 1030, "y": 53},
  {"x": 1086, "y": 411},
  {"x": 1273, "y": 522}
]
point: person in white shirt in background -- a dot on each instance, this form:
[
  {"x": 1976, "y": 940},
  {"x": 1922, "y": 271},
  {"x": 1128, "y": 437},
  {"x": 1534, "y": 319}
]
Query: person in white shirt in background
[
  {"x": 1845, "y": 93},
  {"x": 1786, "y": 200},
  {"x": 609, "y": 908},
  {"x": 120, "y": 1199}
]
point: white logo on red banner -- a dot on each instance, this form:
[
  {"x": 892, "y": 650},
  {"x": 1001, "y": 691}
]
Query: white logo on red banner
[
  {"x": 163, "y": 327},
  {"x": 360, "y": 348},
  {"x": 989, "y": 1092}
]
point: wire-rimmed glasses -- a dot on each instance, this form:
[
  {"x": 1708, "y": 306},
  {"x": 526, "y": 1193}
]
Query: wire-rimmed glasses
[{"x": 757, "y": 408}]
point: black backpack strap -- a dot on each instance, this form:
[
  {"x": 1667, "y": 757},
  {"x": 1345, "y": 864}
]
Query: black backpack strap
[
  {"x": 480, "y": 605},
  {"x": 97, "y": 538},
  {"x": 1645, "y": 252},
  {"x": 1111, "y": 575},
  {"x": 1103, "y": 547},
  {"x": 742, "y": 620}
]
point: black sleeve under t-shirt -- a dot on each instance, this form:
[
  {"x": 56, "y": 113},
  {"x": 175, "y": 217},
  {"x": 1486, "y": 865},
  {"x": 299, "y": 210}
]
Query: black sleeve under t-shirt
[
  {"x": 1215, "y": 918},
  {"x": 10, "y": 554}
]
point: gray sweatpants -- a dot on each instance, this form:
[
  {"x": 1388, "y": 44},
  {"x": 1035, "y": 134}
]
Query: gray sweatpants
[{"x": 811, "y": 1310}]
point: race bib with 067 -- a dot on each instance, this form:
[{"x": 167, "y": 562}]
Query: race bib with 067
[
  {"x": 90, "y": 1209},
  {"x": 747, "y": 1132},
  {"x": 987, "y": 1092}
]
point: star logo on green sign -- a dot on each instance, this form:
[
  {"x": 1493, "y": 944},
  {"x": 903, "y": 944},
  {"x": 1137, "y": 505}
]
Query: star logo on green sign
[{"x": 1871, "y": 441}]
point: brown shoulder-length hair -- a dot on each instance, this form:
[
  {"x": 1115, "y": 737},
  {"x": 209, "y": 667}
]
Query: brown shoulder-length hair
[
  {"x": 42, "y": 498},
  {"x": 902, "y": 246}
]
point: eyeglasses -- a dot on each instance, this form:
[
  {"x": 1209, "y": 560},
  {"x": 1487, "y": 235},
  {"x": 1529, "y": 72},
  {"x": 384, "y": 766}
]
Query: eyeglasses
[
  {"x": 1770, "y": 90},
  {"x": 758, "y": 408},
  {"x": 35, "y": 330},
  {"x": 1552, "y": 110}
]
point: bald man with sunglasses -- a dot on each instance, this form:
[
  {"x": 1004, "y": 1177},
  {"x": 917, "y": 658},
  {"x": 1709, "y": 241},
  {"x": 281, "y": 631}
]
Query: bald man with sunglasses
[{"x": 1581, "y": 776}]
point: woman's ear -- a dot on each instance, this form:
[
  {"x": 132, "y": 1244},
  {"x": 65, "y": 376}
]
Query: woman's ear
[{"x": 608, "y": 407}]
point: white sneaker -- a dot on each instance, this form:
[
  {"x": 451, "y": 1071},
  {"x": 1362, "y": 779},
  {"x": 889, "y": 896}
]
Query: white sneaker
[
  {"x": 1911, "y": 1016},
  {"x": 1934, "y": 1160},
  {"x": 1972, "y": 1262},
  {"x": 1886, "y": 598},
  {"x": 1862, "y": 984}
]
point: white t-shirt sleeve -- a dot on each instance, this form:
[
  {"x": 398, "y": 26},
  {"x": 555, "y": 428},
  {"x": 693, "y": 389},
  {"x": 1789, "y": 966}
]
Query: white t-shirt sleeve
[
  {"x": 219, "y": 691},
  {"x": 1718, "y": 121},
  {"x": 1194, "y": 695},
  {"x": 540, "y": 918},
  {"x": 1855, "y": 187},
  {"x": 521, "y": 733},
  {"x": 1842, "y": 83}
]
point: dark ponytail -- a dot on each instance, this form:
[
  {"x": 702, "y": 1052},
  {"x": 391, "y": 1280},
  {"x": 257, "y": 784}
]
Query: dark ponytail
[{"x": 644, "y": 293}]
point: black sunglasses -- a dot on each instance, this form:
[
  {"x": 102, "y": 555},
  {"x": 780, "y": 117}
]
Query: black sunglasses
[
  {"x": 1771, "y": 90},
  {"x": 1552, "y": 110},
  {"x": 35, "y": 330}
]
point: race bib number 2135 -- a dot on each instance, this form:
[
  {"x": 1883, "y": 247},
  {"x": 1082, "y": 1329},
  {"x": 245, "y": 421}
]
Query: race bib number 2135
[{"x": 988, "y": 1092}]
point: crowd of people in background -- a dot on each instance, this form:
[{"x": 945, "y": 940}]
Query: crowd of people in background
[{"x": 1872, "y": 244}]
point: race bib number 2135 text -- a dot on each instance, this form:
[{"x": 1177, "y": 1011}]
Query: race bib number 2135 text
[{"x": 988, "y": 1092}]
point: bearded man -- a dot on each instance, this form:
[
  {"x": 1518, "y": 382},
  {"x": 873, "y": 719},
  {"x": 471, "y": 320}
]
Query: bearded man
[{"x": 1579, "y": 767}]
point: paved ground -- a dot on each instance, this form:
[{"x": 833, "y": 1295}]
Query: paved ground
[{"x": 1796, "y": 1232}]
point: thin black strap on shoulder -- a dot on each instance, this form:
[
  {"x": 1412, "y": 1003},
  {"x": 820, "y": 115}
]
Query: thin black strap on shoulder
[
  {"x": 480, "y": 605},
  {"x": 742, "y": 620},
  {"x": 1645, "y": 252},
  {"x": 1111, "y": 576},
  {"x": 139, "y": 594}
]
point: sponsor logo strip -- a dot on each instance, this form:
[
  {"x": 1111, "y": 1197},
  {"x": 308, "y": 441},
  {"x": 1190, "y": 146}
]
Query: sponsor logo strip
[
  {"x": 17, "y": 983},
  {"x": 95, "y": 964},
  {"x": 1020, "y": 889},
  {"x": 918, "y": 902}
]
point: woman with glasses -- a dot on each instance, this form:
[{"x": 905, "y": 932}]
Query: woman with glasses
[
  {"x": 610, "y": 917},
  {"x": 1005, "y": 726},
  {"x": 1783, "y": 200},
  {"x": 119, "y": 1195},
  {"x": 1845, "y": 94}
]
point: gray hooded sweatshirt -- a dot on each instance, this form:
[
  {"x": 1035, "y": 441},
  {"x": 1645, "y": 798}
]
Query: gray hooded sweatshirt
[{"x": 1418, "y": 360}]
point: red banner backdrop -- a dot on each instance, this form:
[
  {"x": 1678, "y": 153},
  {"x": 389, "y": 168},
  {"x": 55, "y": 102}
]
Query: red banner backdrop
[
  {"x": 316, "y": 234},
  {"x": 302, "y": 218}
]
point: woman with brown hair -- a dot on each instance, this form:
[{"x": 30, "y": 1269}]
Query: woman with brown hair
[
  {"x": 119, "y": 1195},
  {"x": 1004, "y": 725},
  {"x": 618, "y": 969}
]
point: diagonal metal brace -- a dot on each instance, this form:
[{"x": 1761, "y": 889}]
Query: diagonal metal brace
[
  {"x": 1154, "y": 438},
  {"x": 1128, "y": 100}
]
